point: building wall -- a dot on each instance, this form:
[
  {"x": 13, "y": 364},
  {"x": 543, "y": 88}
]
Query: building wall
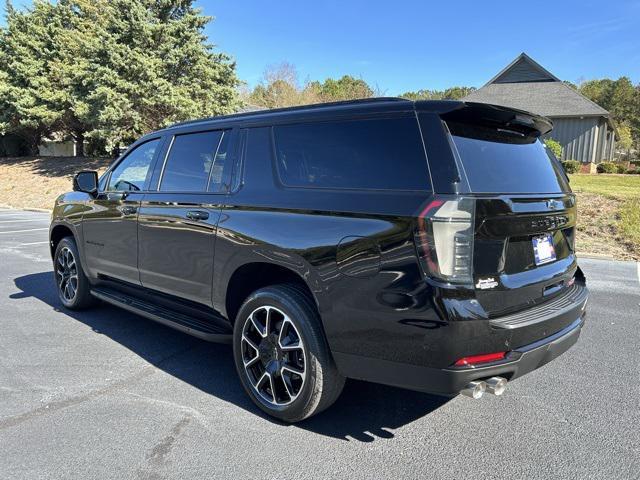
[
  {"x": 582, "y": 139},
  {"x": 49, "y": 148}
]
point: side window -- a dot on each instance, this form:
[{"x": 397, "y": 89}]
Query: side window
[
  {"x": 220, "y": 180},
  {"x": 189, "y": 162},
  {"x": 361, "y": 154},
  {"x": 131, "y": 173}
]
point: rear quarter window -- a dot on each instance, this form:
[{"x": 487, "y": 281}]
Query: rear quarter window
[
  {"x": 382, "y": 154},
  {"x": 498, "y": 161}
]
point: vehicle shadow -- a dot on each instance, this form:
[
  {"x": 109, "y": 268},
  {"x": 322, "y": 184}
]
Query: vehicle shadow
[{"x": 364, "y": 412}]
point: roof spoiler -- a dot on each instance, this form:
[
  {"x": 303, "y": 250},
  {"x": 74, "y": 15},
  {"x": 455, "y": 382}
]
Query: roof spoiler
[{"x": 525, "y": 123}]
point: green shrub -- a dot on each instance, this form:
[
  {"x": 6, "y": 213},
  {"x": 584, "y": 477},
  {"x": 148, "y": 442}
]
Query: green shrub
[
  {"x": 634, "y": 171},
  {"x": 621, "y": 168},
  {"x": 554, "y": 146},
  {"x": 607, "y": 167},
  {"x": 571, "y": 166}
]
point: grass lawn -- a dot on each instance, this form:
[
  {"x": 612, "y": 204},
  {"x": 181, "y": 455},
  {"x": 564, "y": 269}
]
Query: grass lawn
[
  {"x": 608, "y": 215},
  {"x": 612, "y": 186}
]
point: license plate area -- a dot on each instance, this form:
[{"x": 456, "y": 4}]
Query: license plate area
[{"x": 543, "y": 249}]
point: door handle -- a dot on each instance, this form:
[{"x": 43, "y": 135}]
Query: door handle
[
  {"x": 128, "y": 210},
  {"x": 117, "y": 196},
  {"x": 197, "y": 215}
]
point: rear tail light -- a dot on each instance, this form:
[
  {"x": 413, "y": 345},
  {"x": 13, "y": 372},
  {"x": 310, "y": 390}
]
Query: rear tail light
[{"x": 444, "y": 239}]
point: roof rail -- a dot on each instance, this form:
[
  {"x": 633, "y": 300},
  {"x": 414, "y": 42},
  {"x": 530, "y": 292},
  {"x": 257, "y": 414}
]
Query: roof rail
[{"x": 313, "y": 106}]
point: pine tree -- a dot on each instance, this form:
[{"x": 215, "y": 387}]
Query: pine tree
[
  {"x": 29, "y": 98},
  {"x": 147, "y": 64},
  {"x": 109, "y": 70}
]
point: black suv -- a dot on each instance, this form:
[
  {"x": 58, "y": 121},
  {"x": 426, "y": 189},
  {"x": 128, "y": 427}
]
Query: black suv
[{"x": 426, "y": 245}]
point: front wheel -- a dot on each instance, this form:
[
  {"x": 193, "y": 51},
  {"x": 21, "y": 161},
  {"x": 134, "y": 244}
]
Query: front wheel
[
  {"x": 281, "y": 354},
  {"x": 71, "y": 282}
]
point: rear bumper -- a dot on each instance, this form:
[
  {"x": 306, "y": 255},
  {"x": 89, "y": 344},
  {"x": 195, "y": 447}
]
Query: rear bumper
[{"x": 450, "y": 381}]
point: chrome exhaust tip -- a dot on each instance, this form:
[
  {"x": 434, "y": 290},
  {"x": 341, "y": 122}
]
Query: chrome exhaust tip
[
  {"x": 496, "y": 385},
  {"x": 474, "y": 390}
]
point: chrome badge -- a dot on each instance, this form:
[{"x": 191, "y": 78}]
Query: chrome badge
[{"x": 486, "y": 283}]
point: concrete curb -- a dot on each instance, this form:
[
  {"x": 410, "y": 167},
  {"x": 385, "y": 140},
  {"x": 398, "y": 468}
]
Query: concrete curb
[
  {"x": 26, "y": 209},
  {"x": 598, "y": 257}
]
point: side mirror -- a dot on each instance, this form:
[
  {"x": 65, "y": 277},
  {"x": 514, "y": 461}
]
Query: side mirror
[{"x": 86, "y": 181}]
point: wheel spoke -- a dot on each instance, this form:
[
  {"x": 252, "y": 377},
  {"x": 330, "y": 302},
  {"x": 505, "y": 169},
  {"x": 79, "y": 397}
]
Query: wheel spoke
[
  {"x": 291, "y": 369},
  {"x": 291, "y": 345},
  {"x": 272, "y": 387},
  {"x": 254, "y": 359},
  {"x": 287, "y": 386},
  {"x": 251, "y": 362},
  {"x": 250, "y": 342},
  {"x": 261, "y": 380},
  {"x": 266, "y": 377},
  {"x": 257, "y": 326},
  {"x": 267, "y": 321}
]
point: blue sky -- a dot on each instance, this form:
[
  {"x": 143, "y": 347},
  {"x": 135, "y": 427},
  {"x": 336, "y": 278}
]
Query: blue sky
[{"x": 408, "y": 45}]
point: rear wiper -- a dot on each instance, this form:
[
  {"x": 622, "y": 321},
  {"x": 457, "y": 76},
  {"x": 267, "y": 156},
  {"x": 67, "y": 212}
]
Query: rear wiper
[{"x": 511, "y": 132}]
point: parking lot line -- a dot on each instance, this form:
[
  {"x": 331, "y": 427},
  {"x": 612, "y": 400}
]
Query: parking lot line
[
  {"x": 21, "y": 215},
  {"x": 29, "y": 230},
  {"x": 34, "y": 243},
  {"x": 21, "y": 221}
]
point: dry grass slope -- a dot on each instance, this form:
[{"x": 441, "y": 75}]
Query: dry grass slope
[
  {"x": 608, "y": 215},
  {"x": 35, "y": 182}
]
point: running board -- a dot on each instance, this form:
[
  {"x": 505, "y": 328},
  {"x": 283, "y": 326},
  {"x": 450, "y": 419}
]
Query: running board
[{"x": 179, "y": 321}]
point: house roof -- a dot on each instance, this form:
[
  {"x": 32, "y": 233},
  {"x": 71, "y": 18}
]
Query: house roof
[
  {"x": 523, "y": 66},
  {"x": 551, "y": 99},
  {"x": 526, "y": 85}
]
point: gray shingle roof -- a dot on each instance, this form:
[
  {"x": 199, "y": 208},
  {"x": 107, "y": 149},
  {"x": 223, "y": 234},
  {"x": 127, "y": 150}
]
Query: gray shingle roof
[{"x": 551, "y": 99}]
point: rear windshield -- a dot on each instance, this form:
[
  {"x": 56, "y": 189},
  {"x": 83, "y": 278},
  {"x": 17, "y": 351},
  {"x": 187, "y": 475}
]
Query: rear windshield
[
  {"x": 499, "y": 161},
  {"x": 355, "y": 154}
]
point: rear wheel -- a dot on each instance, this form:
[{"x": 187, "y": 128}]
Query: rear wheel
[
  {"x": 71, "y": 283},
  {"x": 281, "y": 354}
]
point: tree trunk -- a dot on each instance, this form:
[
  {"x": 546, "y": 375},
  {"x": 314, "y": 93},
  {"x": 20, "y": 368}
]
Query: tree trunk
[
  {"x": 79, "y": 138},
  {"x": 33, "y": 143}
]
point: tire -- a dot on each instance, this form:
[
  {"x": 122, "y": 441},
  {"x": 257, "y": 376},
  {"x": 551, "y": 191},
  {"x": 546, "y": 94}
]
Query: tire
[
  {"x": 277, "y": 350},
  {"x": 71, "y": 283}
]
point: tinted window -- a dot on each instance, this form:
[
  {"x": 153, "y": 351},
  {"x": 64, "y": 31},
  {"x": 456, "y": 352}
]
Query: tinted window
[
  {"x": 220, "y": 179},
  {"x": 369, "y": 154},
  {"x": 131, "y": 173},
  {"x": 496, "y": 161},
  {"x": 189, "y": 162}
]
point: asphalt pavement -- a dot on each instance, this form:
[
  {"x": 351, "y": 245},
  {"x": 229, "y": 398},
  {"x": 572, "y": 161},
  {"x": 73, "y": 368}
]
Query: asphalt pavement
[{"x": 106, "y": 394}]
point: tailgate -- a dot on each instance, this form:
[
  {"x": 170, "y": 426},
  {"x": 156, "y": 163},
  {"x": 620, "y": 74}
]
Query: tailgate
[{"x": 508, "y": 276}]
